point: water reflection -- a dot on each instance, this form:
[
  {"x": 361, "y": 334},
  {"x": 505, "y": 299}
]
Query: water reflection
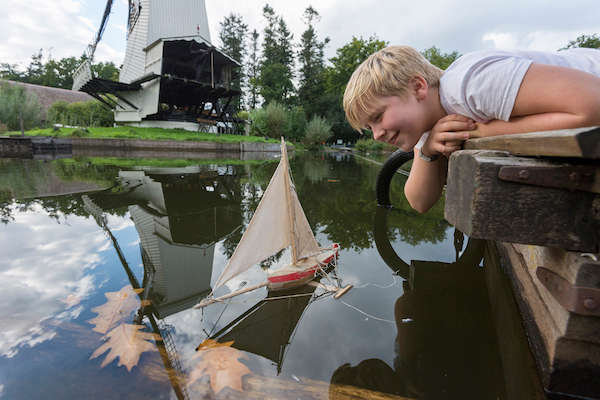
[{"x": 413, "y": 328}]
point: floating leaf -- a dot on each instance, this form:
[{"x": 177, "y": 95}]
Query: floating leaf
[
  {"x": 118, "y": 306},
  {"x": 127, "y": 342},
  {"x": 222, "y": 364},
  {"x": 209, "y": 344}
]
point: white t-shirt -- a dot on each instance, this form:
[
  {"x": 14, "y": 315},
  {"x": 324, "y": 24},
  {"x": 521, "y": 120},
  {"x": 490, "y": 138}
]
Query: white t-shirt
[{"x": 483, "y": 85}]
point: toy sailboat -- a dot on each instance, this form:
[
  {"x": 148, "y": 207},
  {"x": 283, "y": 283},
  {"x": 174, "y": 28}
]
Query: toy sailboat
[{"x": 278, "y": 223}]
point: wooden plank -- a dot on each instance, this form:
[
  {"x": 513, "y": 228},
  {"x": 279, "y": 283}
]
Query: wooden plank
[
  {"x": 566, "y": 345},
  {"x": 577, "y": 270},
  {"x": 482, "y": 206},
  {"x": 581, "y": 142}
]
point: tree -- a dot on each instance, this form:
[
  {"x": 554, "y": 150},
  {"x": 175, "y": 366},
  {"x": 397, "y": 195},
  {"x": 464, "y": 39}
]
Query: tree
[
  {"x": 347, "y": 59},
  {"x": 104, "y": 70},
  {"x": 19, "y": 110},
  {"x": 312, "y": 65},
  {"x": 277, "y": 61},
  {"x": 233, "y": 42},
  {"x": 253, "y": 71},
  {"x": 35, "y": 70},
  {"x": 588, "y": 41},
  {"x": 11, "y": 72},
  {"x": 439, "y": 59}
]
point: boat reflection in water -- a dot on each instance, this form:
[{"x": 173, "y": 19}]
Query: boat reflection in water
[{"x": 167, "y": 206}]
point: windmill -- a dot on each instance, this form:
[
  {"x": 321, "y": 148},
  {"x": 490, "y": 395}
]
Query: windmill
[{"x": 172, "y": 76}]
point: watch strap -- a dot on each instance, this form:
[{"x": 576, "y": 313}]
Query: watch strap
[{"x": 428, "y": 158}]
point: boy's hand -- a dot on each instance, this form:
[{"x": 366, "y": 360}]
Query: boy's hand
[{"x": 448, "y": 134}]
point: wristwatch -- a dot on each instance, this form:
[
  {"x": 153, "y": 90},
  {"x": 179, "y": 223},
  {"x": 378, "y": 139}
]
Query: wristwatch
[{"x": 426, "y": 157}]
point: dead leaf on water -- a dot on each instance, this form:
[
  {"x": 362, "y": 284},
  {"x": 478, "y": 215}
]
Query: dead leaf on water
[
  {"x": 118, "y": 306},
  {"x": 221, "y": 363},
  {"x": 127, "y": 342},
  {"x": 209, "y": 344}
]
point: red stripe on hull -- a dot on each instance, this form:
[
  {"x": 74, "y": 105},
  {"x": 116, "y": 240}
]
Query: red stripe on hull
[{"x": 296, "y": 276}]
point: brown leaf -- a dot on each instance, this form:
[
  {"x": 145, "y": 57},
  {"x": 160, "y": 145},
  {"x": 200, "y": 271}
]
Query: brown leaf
[
  {"x": 126, "y": 342},
  {"x": 118, "y": 306},
  {"x": 209, "y": 344},
  {"x": 222, "y": 365}
]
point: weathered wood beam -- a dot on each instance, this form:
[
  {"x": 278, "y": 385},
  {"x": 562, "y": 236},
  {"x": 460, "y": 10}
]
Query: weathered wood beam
[
  {"x": 484, "y": 206},
  {"x": 581, "y": 142},
  {"x": 566, "y": 344}
]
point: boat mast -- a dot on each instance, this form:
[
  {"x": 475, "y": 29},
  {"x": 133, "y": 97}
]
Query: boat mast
[{"x": 288, "y": 198}]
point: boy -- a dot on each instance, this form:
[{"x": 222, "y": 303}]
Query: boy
[{"x": 409, "y": 103}]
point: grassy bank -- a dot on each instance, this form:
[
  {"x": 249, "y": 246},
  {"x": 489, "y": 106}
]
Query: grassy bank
[{"x": 125, "y": 132}]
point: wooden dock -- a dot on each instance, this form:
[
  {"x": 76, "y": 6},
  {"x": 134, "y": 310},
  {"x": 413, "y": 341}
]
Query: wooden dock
[{"x": 536, "y": 198}]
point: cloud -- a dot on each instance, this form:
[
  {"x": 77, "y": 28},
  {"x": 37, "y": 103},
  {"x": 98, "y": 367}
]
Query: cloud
[
  {"x": 56, "y": 26},
  {"x": 42, "y": 283},
  {"x": 464, "y": 25}
]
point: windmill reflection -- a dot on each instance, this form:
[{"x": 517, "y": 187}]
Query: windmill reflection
[{"x": 179, "y": 214}]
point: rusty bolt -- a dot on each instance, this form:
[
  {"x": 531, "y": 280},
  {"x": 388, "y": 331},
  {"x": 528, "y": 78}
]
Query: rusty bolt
[
  {"x": 590, "y": 304},
  {"x": 523, "y": 174}
]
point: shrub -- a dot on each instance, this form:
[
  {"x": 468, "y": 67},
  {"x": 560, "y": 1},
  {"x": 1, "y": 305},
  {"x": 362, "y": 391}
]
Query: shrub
[
  {"x": 243, "y": 114},
  {"x": 318, "y": 130},
  {"x": 295, "y": 127},
  {"x": 87, "y": 113},
  {"x": 57, "y": 113},
  {"x": 17, "y": 104},
  {"x": 365, "y": 145},
  {"x": 82, "y": 132}
]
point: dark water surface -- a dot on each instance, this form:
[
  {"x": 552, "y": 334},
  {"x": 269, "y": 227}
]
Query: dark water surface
[{"x": 416, "y": 324}]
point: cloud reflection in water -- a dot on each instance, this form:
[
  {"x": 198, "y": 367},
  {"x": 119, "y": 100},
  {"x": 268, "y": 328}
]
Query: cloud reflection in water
[{"x": 44, "y": 274}]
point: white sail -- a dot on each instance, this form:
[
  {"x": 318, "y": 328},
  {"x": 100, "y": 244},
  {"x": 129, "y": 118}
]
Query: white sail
[
  {"x": 277, "y": 221},
  {"x": 306, "y": 244}
]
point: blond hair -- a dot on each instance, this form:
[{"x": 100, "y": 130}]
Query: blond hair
[{"x": 386, "y": 72}]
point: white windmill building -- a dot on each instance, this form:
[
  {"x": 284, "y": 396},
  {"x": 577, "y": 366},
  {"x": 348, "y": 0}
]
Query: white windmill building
[{"x": 172, "y": 75}]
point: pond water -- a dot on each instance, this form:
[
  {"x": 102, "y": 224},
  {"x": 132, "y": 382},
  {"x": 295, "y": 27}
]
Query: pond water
[{"x": 78, "y": 235}]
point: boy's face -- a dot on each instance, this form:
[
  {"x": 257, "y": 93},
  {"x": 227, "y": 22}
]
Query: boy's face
[{"x": 399, "y": 121}]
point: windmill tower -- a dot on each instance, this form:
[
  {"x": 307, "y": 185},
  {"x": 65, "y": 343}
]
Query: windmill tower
[{"x": 172, "y": 75}]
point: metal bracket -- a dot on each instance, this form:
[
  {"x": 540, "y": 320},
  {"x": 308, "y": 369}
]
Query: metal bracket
[
  {"x": 577, "y": 299},
  {"x": 556, "y": 176}
]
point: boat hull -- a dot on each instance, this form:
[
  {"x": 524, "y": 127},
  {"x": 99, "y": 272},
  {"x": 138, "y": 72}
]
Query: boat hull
[{"x": 304, "y": 271}]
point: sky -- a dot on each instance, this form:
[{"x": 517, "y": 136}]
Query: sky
[{"x": 63, "y": 28}]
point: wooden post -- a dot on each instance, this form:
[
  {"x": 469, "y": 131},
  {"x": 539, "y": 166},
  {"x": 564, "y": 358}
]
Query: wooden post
[{"x": 484, "y": 206}]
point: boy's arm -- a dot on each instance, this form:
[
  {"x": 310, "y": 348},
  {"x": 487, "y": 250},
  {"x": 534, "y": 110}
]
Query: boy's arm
[
  {"x": 427, "y": 178},
  {"x": 550, "y": 98},
  {"x": 425, "y": 182}
]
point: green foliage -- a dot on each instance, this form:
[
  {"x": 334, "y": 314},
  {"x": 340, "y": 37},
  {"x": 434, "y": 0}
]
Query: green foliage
[
  {"x": 318, "y": 130},
  {"x": 269, "y": 121},
  {"x": 153, "y": 134},
  {"x": 366, "y": 145},
  {"x": 88, "y": 113},
  {"x": 233, "y": 38},
  {"x": 296, "y": 124},
  {"x": 276, "y": 120},
  {"x": 80, "y": 132},
  {"x": 347, "y": 59},
  {"x": 54, "y": 73},
  {"x": 439, "y": 59},
  {"x": 253, "y": 69},
  {"x": 243, "y": 114},
  {"x": 18, "y": 105},
  {"x": 275, "y": 77},
  {"x": 312, "y": 65},
  {"x": 588, "y": 41}
]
